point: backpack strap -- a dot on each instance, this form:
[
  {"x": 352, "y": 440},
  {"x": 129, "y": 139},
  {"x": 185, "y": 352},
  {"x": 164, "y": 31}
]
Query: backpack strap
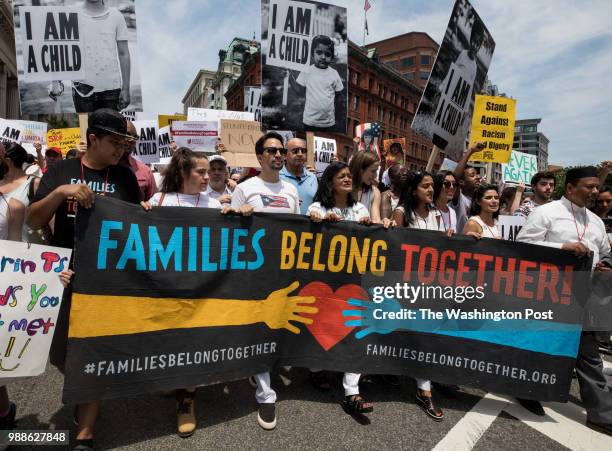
[{"x": 161, "y": 199}]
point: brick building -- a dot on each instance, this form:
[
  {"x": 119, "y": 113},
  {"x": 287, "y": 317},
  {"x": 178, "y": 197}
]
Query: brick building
[{"x": 377, "y": 92}]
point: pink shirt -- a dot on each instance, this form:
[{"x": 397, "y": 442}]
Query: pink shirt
[{"x": 145, "y": 177}]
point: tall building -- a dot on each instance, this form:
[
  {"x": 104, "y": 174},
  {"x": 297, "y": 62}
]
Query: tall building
[
  {"x": 200, "y": 93},
  {"x": 411, "y": 54},
  {"x": 528, "y": 139},
  {"x": 376, "y": 93},
  {"x": 9, "y": 92},
  {"x": 250, "y": 76}
]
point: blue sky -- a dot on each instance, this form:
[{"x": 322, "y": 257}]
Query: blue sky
[{"x": 553, "y": 56}]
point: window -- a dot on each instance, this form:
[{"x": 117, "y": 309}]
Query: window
[
  {"x": 423, "y": 75},
  {"x": 380, "y": 90},
  {"x": 425, "y": 59},
  {"x": 369, "y": 108},
  {"x": 355, "y": 103},
  {"x": 407, "y": 62},
  {"x": 409, "y": 76},
  {"x": 356, "y": 76}
]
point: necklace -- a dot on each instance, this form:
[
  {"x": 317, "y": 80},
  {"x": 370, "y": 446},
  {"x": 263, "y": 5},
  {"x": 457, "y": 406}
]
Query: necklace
[
  {"x": 105, "y": 180},
  {"x": 447, "y": 225},
  {"x": 491, "y": 231},
  {"x": 586, "y": 223},
  {"x": 197, "y": 201}
]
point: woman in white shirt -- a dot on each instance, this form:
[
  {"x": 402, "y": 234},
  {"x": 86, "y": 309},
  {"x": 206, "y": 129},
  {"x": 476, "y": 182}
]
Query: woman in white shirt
[
  {"x": 445, "y": 186},
  {"x": 364, "y": 167},
  {"x": 484, "y": 213},
  {"x": 334, "y": 202},
  {"x": 415, "y": 211}
]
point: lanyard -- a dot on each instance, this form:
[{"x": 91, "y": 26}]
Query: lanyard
[
  {"x": 446, "y": 227},
  {"x": 586, "y": 223},
  {"x": 105, "y": 181}
]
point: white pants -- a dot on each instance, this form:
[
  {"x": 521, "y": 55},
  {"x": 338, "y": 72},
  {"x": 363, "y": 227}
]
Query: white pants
[
  {"x": 264, "y": 393},
  {"x": 423, "y": 384},
  {"x": 350, "y": 382}
]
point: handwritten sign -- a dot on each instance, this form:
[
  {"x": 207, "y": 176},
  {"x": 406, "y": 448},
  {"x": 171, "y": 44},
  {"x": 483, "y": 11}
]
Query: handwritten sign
[
  {"x": 493, "y": 124},
  {"x": 205, "y": 115},
  {"x": 64, "y": 138},
  {"x": 520, "y": 169},
  {"x": 30, "y": 297},
  {"x": 239, "y": 138}
]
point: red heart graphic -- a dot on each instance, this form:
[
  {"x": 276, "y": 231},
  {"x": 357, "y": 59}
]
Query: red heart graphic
[{"x": 328, "y": 324}]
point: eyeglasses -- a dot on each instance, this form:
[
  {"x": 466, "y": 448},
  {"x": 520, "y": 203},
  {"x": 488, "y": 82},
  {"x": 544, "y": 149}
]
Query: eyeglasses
[
  {"x": 449, "y": 184},
  {"x": 301, "y": 150},
  {"x": 273, "y": 150}
]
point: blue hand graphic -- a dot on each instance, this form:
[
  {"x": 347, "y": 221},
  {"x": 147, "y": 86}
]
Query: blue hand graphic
[{"x": 368, "y": 322}]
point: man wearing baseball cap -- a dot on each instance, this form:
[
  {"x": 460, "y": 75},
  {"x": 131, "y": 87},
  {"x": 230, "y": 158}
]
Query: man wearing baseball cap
[
  {"x": 72, "y": 184},
  {"x": 218, "y": 187}
]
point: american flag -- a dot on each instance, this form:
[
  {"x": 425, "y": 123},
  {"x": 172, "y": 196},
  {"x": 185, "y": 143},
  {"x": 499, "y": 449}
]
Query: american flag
[{"x": 367, "y": 5}]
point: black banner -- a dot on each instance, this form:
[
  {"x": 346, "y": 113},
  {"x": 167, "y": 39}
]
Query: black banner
[{"x": 179, "y": 297}]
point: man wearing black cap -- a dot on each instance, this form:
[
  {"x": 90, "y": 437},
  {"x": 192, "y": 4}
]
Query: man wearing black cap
[
  {"x": 568, "y": 224},
  {"x": 75, "y": 183}
]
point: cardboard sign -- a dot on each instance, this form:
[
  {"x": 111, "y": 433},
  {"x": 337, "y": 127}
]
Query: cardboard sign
[
  {"x": 166, "y": 120},
  {"x": 10, "y": 131},
  {"x": 239, "y": 138},
  {"x": 146, "y": 149},
  {"x": 164, "y": 139},
  {"x": 200, "y": 136},
  {"x": 31, "y": 294},
  {"x": 510, "y": 226},
  {"x": 448, "y": 165},
  {"x": 252, "y": 101},
  {"x": 520, "y": 169},
  {"x": 53, "y": 47},
  {"x": 493, "y": 124},
  {"x": 324, "y": 152},
  {"x": 64, "y": 138},
  {"x": 205, "y": 114}
]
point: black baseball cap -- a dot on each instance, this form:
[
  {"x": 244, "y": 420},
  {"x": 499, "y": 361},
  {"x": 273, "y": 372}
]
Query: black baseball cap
[{"x": 109, "y": 121}]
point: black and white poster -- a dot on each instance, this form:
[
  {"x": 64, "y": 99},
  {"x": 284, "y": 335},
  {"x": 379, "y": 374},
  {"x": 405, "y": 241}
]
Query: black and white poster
[
  {"x": 304, "y": 66},
  {"x": 445, "y": 112},
  {"x": 252, "y": 101},
  {"x": 76, "y": 55}
]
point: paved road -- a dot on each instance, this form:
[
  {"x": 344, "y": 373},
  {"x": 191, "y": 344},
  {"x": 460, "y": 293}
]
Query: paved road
[{"x": 308, "y": 419}]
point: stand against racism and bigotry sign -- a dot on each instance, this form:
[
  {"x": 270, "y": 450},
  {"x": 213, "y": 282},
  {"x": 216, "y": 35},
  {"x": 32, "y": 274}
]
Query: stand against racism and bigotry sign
[
  {"x": 520, "y": 169},
  {"x": 176, "y": 298},
  {"x": 304, "y": 66},
  {"x": 493, "y": 125},
  {"x": 459, "y": 72},
  {"x": 146, "y": 149},
  {"x": 30, "y": 298},
  {"x": 324, "y": 153},
  {"x": 76, "y": 56},
  {"x": 199, "y": 136},
  {"x": 10, "y": 131},
  {"x": 252, "y": 101}
]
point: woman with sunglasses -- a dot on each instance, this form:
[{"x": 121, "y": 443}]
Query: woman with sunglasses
[
  {"x": 484, "y": 213},
  {"x": 415, "y": 211},
  {"x": 334, "y": 201},
  {"x": 445, "y": 186},
  {"x": 364, "y": 167}
]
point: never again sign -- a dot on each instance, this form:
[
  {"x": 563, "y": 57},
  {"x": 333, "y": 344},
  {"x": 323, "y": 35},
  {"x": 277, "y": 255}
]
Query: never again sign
[{"x": 52, "y": 43}]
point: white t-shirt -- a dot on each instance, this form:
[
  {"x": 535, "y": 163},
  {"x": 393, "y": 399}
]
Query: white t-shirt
[
  {"x": 448, "y": 220},
  {"x": 100, "y": 34},
  {"x": 200, "y": 200},
  {"x": 321, "y": 87},
  {"x": 3, "y": 218},
  {"x": 279, "y": 197},
  {"x": 354, "y": 213}
]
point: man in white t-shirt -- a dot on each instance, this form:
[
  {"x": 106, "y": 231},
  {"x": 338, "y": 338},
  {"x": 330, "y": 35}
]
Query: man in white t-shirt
[
  {"x": 107, "y": 80},
  {"x": 266, "y": 192}
]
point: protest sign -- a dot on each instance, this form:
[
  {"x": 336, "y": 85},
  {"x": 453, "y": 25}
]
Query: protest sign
[
  {"x": 71, "y": 56},
  {"x": 33, "y": 132},
  {"x": 252, "y": 101},
  {"x": 146, "y": 149},
  {"x": 520, "y": 169},
  {"x": 164, "y": 138},
  {"x": 64, "y": 138},
  {"x": 304, "y": 66},
  {"x": 175, "y": 297},
  {"x": 167, "y": 119},
  {"x": 448, "y": 165},
  {"x": 10, "y": 131},
  {"x": 200, "y": 136},
  {"x": 205, "y": 114},
  {"x": 510, "y": 226},
  {"x": 459, "y": 72},
  {"x": 239, "y": 138},
  {"x": 493, "y": 125},
  {"x": 324, "y": 153},
  {"x": 30, "y": 297},
  {"x": 387, "y": 144}
]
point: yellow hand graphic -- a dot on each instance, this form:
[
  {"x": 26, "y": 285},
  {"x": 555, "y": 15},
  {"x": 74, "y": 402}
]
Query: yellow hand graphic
[{"x": 278, "y": 309}]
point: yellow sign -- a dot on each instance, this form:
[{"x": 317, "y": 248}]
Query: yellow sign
[
  {"x": 166, "y": 120},
  {"x": 64, "y": 138},
  {"x": 493, "y": 125}
]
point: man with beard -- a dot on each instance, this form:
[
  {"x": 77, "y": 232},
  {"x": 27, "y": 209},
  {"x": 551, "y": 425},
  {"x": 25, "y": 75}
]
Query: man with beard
[
  {"x": 295, "y": 173},
  {"x": 543, "y": 186}
]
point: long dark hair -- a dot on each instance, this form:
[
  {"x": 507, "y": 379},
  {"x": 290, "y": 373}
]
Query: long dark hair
[
  {"x": 16, "y": 153},
  {"x": 479, "y": 193},
  {"x": 325, "y": 191},
  {"x": 408, "y": 198},
  {"x": 360, "y": 162},
  {"x": 182, "y": 162},
  {"x": 438, "y": 180}
]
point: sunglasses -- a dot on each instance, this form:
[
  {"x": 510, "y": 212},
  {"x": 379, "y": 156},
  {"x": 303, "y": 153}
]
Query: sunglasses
[
  {"x": 449, "y": 184},
  {"x": 273, "y": 150},
  {"x": 301, "y": 150}
]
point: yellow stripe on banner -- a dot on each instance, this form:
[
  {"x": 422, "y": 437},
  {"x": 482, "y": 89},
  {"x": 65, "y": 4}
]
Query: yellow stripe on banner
[{"x": 95, "y": 316}]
